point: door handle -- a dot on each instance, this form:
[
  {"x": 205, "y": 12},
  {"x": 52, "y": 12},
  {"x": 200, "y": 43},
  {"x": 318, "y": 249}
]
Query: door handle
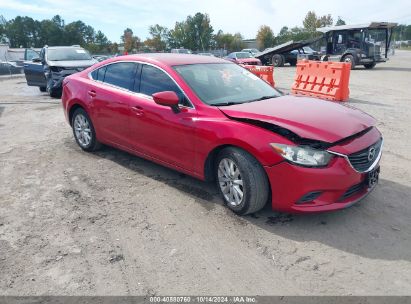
[
  {"x": 138, "y": 110},
  {"x": 92, "y": 93}
]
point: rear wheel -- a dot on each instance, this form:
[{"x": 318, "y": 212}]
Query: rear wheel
[
  {"x": 241, "y": 180},
  {"x": 278, "y": 60},
  {"x": 349, "y": 59},
  {"x": 43, "y": 89},
  {"x": 83, "y": 131},
  {"x": 370, "y": 65}
]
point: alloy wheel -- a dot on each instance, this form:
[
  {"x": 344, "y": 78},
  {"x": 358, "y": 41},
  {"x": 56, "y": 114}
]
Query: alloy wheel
[
  {"x": 230, "y": 181},
  {"x": 82, "y": 130}
]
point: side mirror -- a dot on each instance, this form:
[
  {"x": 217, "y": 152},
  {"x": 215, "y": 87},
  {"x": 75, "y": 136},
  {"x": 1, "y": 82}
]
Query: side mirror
[
  {"x": 168, "y": 99},
  {"x": 36, "y": 59}
]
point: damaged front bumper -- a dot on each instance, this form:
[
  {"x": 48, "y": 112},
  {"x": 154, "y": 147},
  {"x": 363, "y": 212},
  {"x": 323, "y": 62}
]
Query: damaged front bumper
[{"x": 55, "y": 76}]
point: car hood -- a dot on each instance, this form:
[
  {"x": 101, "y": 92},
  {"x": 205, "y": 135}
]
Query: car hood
[
  {"x": 307, "y": 117},
  {"x": 72, "y": 63}
]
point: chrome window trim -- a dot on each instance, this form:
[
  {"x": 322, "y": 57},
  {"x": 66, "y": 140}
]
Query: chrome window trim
[
  {"x": 138, "y": 93},
  {"x": 374, "y": 164}
]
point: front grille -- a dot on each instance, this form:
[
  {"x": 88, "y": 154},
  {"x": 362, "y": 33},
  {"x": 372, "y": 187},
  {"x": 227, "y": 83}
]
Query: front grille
[
  {"x": 352, "y": 191},
  {"x": 362, "y": 160},
  {"x": 251, "y": 63}
]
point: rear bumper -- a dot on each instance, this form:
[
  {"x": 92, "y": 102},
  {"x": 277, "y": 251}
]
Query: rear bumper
[{"x": 339, "y": 185}]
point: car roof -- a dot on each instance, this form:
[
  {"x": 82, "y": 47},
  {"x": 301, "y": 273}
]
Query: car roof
[
  {"x": 171, "y": 59},
  {"x": 64, "y": 47}
]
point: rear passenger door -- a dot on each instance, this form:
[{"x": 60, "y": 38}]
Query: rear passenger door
[{"x": 110, "y": 95}]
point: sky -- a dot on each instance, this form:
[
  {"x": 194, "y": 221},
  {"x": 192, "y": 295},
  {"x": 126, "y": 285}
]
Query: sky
[{"x": 112, "y": 17}]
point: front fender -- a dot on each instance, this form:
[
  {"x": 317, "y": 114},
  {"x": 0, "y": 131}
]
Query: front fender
[{"x": 213, "y": 134}]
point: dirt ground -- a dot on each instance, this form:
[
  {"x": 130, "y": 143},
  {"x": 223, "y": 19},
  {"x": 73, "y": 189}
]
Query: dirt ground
[{"x": 109, "y": 223}]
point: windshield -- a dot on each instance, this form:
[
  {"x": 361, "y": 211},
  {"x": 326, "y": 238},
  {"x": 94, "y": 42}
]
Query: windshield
[
  {"x": 307, "y": 49},
  {"x": 241, "y": 55},
  {"x": 225, "y": 83},
  {"x": 63, "y": 54}
]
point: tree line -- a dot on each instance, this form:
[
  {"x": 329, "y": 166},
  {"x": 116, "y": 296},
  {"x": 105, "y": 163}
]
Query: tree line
[{"x": 195, "y": 33}]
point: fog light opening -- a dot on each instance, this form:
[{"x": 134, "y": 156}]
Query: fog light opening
[{"x": 309, "y": 197}]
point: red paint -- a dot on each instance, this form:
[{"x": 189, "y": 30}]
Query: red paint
[{"x": 183, "y": 140}]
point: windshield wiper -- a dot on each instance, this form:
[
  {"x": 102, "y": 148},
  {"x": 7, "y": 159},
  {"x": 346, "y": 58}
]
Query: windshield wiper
[
  {"x": 230, "y": 103},
  {"x": 263, "y": 98}
]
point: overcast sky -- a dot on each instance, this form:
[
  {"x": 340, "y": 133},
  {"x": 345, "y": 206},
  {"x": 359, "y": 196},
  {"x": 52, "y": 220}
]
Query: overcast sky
[{"x": 113, "y": 16}]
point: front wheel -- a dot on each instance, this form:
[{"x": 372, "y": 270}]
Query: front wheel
[
  {"x": 83, "y": 131},
  {"x": 349, "y": 59},
  {"x": 241, "y": 180},
  {"x": 53, "y": 92}
]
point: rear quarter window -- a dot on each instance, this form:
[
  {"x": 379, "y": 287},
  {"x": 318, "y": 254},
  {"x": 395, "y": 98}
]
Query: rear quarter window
[{"x": 98, "y": 74}]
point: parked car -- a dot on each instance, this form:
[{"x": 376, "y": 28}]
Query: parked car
[
  {"x": 100, "y": 57},
  {"x": 243, "y": 58},
  {"x": 213, "y": 120},
  {"x": 54, "y": 64},
  {"x": 253, "y": 52},
  {"x": 288, "y": 52},
  {"x": 205, "y": 54},
  {"x": 180, "y": 51}
]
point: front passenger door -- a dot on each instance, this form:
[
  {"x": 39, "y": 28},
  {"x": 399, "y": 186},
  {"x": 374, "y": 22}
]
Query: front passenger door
[{"x": 156, "y": 130}]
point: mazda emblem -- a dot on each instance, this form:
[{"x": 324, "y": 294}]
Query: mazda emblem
[{"x": 371, "y": 154}]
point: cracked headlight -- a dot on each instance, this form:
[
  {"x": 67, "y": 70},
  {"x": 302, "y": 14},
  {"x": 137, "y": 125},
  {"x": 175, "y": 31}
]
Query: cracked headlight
[{"x": 303, "y": 156}]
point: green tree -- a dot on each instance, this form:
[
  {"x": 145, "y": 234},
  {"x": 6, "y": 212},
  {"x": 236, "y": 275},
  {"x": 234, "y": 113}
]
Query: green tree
[
  {"x": 265, "y": 37},
  {"x": 200, "y": 31},
  {"x": 311, "y": 22},
  {"x": 130, "y": 42},
  {"x": 159, "y": 36},
  {"x": 195, "y": 33},
  {"x": 178, "y": 36},
  {"x": 340, "y": 21}
]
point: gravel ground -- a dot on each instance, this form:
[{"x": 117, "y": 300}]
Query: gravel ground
[{"x": 108, "y": 223}]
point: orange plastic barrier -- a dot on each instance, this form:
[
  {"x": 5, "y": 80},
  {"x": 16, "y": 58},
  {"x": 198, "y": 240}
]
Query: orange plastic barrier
[
  {"x": 326, "y": 80},
  {"x": 266, "y": 73}
]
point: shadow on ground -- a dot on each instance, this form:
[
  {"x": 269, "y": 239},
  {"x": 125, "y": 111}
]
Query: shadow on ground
[{"x": 377, "y": 227}]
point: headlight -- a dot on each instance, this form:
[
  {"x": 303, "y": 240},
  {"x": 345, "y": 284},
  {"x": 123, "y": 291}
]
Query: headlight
[{"x": 304, "y": 156}]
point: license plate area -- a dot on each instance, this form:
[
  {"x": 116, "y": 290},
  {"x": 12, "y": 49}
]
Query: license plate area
[{"x": 372, "y": 177}]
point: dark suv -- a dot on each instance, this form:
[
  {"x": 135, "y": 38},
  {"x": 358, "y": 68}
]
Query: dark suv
[{"x": 55, "y": 63}]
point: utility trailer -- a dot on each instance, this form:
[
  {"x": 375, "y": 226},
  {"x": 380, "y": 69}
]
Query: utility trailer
[
  {"x": 288, "y": 52},
  {"x": 364, "y": 44}
]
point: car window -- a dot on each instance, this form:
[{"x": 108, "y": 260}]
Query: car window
[
  {"x": 154, "y": 80},
  {"x": 98, "y": 74},
  {"x": 67, "y": 54},
  {"x": 121, "y": 74},
  {"x": 223, "y": 83},
  {"x": 31, "y": 54},
  {"x": 242, "y": 55}
]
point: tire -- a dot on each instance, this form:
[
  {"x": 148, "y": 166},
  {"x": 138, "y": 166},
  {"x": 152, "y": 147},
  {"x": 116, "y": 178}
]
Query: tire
[
  {"x": 349, "y": 59},
  {"x": 278, "y": 60},
  {"x": 53, "y": 92},
  {"x": 293, "y": 62},
  {"x": 239, "y": 172},
  {"x": 369, "y": 66},
  {"x": 43, "y": 89},
  {"x": 80, "y": 123}
]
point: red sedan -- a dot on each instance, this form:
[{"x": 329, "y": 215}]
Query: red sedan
[
  {"x": 243, "y": 58},
  {"x": 214, "y": 120}
]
